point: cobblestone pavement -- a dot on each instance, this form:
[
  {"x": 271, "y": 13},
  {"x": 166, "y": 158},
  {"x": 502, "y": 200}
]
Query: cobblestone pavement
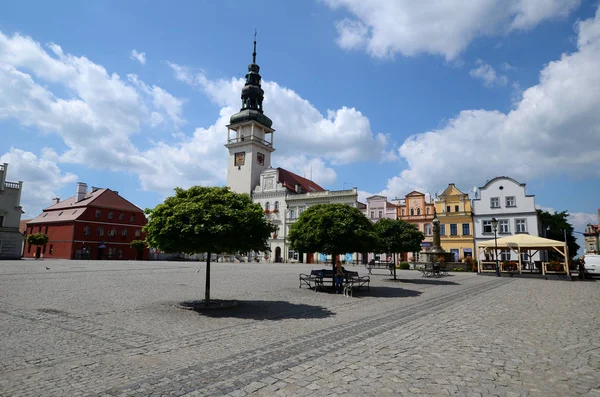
[{"x": 87, "y": 328}]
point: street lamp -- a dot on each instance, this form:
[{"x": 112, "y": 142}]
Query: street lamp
[{"x": 495, "y": 226}]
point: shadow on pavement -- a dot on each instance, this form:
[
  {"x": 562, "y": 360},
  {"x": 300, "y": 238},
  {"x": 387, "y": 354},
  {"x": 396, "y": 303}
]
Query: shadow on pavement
[
  {"x": 429, "y": 281},
  {"x": 387, "y": 292},
  {"x": 270, "y": 310}
]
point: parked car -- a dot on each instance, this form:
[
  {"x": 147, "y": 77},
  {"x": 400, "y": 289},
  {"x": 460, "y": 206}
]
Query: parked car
[{"x": 592, "y": 264}]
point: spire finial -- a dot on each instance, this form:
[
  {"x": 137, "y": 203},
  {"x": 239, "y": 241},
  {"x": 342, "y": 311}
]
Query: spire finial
[{"x": 254, "y": 53}]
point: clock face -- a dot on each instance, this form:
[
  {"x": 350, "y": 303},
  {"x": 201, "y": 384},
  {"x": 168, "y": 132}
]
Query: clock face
[
  {"x": 260, "y": 159},
  {"x": 239, "y": 158}
]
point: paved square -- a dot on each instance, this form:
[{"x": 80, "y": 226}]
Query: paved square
[{"x": 86, "y": 328}]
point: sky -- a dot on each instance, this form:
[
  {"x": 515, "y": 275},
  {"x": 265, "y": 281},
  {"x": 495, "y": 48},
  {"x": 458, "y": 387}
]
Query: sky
[{"x": 386, "y": 96}]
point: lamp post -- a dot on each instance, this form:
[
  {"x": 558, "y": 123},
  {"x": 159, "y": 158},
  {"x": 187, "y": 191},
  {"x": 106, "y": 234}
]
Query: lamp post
[{"x": 495, "y": 226}]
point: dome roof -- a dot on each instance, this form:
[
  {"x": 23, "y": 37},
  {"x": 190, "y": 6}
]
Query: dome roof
[{"x": 251, "y": 115}]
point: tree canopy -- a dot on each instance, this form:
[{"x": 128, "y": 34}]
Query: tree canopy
[
  {"x": 398, "y": 236},
  {"x": 207, "y": 219},
  {"x": 37, "y": 239},
  {"x": 332, "y": 229},
  {"x": 555, "y": 225}
]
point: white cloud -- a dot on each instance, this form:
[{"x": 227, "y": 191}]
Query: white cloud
[
  {"x": 553, "y": 129},
  {"x": 41, "y": 176},
  {"x": 487, "y": 75},
  {"x": 445, "y": 27},
  {"x": 138, "y": 56},
  {"x": 162, "y": 100}
]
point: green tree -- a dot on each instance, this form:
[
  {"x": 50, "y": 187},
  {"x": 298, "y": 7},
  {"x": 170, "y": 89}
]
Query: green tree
[
  {"x": 139, "y": 246},
  {"x": 37, "y": 239},
  {"x": 210, "y": 220},
  {"x": 555, "y": 226},
  {"x": 332, "y": 229},
  {"x": 397, "y": 236}
]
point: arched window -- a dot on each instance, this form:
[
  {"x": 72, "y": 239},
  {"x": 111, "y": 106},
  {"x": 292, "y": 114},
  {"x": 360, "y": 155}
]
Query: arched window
[
  {"x": 267, "y": 206},
  {"x": 412, "y": 211},
  {"x": 418, "y": 211},
  {"x": 427, "y": 210},
  {"x": 276, "y": 206}
]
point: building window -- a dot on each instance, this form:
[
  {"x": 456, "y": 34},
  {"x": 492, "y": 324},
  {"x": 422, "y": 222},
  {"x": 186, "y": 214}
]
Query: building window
[
  {"x": 466, "y": 229},
  {"x": 121, "y": 216},
  {"x": 46, "y": 230},
  {"x": 511, "y": 201},
  {"x": 453, "y": 229},
  {"x": 372, "y": 214},
  {"x": 29, "y": 249},
  {"x": 418, "y": 211},
  {"x": 503, "y": 226},
  {"x": 39, "y": 229},
  {"x": 276, "y": 206},
  {"x": 456, "y": 208},
  {"x": 87, "y": 230},
  {"x": 120, "y": 254},
  {"x": 292, "y": 214},
  {"x": 447, "y": 208},
  {"x": 427, "y": 210},
  {"x": 402, "y": 211},
  {"x": 44, "y": 249},
  {"x": 132, "y": 218},
  {"x": 380, "y": 214},
  {"x": 487, "y": 227},
  {"x": 138, "y": 233},
  {"x": 495, "y": 202},
  {"x": 98, "y": 214},
  {"x": 505, "y": 255},
  {"x": 412, "y": 211},
  {"x": 112, "y": 232},
  {"x": 110, "y": 215},
  {"x": 428, "y": 229},
  {"x": 267, "y": 206},
  {"x": 521, "y": 225},
  {"x": 100, "y": 231},
  {"x": 124, "y": 232},
  {"x": 442, "y": 229}
]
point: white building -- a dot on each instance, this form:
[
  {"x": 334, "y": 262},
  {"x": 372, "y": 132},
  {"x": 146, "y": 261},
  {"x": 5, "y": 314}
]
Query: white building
[
  {"x": 11, "y": 240},
  {"x": 282, "y": 193},
  {"x": 506, "y": 200}
]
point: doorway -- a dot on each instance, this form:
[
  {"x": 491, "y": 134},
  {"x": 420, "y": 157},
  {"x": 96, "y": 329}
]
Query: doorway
[{"x": 278, "y": 254}]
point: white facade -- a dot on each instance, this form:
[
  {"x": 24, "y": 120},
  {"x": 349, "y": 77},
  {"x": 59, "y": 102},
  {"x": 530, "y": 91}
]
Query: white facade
[
  {"x": 11, "y": 240},
  {"x": 249, "y": 154},
  {"x": 506, "y": 200},
  {"x": 283, "y": 206},
  {"x": 378, "y": 207}
]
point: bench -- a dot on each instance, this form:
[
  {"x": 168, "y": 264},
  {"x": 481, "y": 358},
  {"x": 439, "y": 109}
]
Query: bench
[
  {"x": 314, "y": 280},
  {"x": 381, "y": 265},
  {"x": 433, "y": 270}
]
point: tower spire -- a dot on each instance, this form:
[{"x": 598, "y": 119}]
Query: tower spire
[{"x": 254, "y": 53}]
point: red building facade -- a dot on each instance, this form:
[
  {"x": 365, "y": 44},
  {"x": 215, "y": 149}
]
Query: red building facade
[{"x": 98, "y": 224}]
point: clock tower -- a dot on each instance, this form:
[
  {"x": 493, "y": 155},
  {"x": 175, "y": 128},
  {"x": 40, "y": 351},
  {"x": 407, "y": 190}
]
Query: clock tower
[{"x": 249, "y": 136}]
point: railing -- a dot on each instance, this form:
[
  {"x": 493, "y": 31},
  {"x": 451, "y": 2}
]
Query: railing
[
  {"x": 249, "y": 138},
  {"x": 12, "y": 185}
]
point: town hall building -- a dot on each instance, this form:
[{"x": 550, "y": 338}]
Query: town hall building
[{"x": 282, "y": 194}]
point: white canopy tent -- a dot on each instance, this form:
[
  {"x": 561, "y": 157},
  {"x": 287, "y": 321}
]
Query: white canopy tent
[{"x": 520, "y": 242}]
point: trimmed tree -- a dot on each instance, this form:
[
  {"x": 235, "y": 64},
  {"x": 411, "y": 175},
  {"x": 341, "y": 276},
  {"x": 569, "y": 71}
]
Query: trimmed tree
[
  {"x": 397, "y": 236},
  {"x": 332, "y": 229},
  {"x": 557, "y": 228},
  {"x": 37, "y": 239},
  {"x": 207, "y": 220},
  {"x": 138, "y": 246}
]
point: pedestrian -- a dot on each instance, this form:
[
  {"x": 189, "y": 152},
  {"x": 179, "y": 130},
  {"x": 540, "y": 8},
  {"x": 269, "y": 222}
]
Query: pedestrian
[
  {"x": 338, "y": 277},
  {"x": 582, "y": 267}
]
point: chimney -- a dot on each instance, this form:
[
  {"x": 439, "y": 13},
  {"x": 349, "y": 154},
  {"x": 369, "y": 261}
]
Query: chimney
[
  {"x": 56, "y": 200},
  {"x": 81, "y": 190},
  {"x": 3, "y": 169}
]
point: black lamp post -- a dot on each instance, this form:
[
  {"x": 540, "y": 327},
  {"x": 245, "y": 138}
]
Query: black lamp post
[{"x": 495, "y": 226}]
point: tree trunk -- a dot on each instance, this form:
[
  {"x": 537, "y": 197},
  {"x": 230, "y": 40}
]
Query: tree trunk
[
  {"x": 207, "y": 284},
  {"x": 395, "y": 266},
  {"x": 333, "y": 270}
]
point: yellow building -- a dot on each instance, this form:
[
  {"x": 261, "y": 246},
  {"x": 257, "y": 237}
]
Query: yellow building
[{"x": 453, "y": 209}]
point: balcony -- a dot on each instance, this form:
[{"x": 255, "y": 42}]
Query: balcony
[{"x": 249, "y": 138}]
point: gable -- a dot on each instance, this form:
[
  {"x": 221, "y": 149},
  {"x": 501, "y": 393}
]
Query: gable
[
  {"x": 414, "y": 193},
  {"x": 451, "y": 190}
]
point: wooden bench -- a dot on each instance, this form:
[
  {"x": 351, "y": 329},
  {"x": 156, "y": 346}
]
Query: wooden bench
[
  {"x": 381, "y": 265},
  {"x": 314, "y": 280}
]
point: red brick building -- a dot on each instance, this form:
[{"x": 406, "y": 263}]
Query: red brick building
[{"x": 98, "y": 224}]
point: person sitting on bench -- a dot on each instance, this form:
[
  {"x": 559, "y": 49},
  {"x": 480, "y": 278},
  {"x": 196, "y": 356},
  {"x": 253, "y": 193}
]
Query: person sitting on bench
[{"x": 338, "y": 277}]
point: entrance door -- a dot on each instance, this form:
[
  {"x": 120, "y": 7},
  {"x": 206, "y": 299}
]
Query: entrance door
[
  {"x": 278, "y": 254},
  {"x": 456, "y": 253}
]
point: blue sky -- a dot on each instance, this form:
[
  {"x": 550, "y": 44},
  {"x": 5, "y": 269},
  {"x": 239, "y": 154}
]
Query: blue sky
[{"x": 385, "y": 96}]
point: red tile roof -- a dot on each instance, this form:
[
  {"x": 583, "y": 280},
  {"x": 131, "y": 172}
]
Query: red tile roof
[
  {"x": 70, "y": 209},
  {"x": 290, "y": 180}
]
